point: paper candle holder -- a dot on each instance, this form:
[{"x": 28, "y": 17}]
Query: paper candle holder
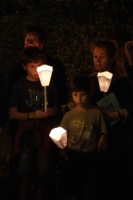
[
  {"x": 59, "y": 137},
  {"x": 104, "y": 79},
  {"x": 45, "y": 72}
]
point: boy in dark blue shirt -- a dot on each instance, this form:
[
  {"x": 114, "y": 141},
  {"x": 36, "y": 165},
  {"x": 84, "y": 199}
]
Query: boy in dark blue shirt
[{"x": 32, "y": 145}]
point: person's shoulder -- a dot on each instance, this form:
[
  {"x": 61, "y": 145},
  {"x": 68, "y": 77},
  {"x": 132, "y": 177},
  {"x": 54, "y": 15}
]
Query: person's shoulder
[
  {"x": 95, "y": 111},
  {"x": 122, "y": 80},
  {"x": 20, "y": 81},
  {"x": 93, "y": 77},
  {"x": 93, "y": 74},
  {"x": 53, "y": 60},
  {"x": 69, "y": 112}
]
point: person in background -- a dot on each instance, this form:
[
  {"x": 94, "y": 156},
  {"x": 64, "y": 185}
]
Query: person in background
[
  {"x": 124, "y": 47},
  {"x": 86, "y": 140},
  {"x": 32, "y": 150},
  {"x": 119, "y": 157},
  {"x": 35, "y": 36}
]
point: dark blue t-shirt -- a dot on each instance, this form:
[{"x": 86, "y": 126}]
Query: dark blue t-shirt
[{"x": 28, "y": 96}]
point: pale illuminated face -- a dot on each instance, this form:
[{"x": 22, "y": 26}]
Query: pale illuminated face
[
  {"x": 31, "y": 69},
  {"x": 80, "y": 98},
  {"x": 32, "y": 40},
  {"x": 101, "y": 59}
]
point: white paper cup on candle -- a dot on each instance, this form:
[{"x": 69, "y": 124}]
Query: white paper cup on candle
[
  {"x": 104, "y": 79},
  {"x": 59, "y": 137},
  {"x": 45, "y": 72}
]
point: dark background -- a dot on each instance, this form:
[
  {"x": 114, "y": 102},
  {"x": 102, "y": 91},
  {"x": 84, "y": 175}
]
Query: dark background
[{"x": 70, "y": 25}]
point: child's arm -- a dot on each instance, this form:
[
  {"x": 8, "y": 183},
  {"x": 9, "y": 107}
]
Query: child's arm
[
  {"x": 63, "y": 153},
  {"x": 102, "y": 143},
  {"x": 103, "y": 138}
]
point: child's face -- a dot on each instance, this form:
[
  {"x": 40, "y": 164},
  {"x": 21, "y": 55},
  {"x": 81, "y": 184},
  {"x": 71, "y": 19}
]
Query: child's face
[
  {"x": 80, "y": 98},
  {"x": 32, "y": 40},
  {"x": 101, "y": 60},
  {"x": 31, "y": 69}
]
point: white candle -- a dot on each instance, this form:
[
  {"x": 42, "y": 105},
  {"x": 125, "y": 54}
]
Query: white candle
[
  {"x": 45, "y": 72},
  {"x": 104, "y": 79},
  {"x": 59, "y": 137}
]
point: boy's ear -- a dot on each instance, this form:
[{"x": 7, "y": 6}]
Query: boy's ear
[{"x": 24, "y": 66}]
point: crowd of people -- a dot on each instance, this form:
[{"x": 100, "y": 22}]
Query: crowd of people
[{"x": 97, "y": 162}]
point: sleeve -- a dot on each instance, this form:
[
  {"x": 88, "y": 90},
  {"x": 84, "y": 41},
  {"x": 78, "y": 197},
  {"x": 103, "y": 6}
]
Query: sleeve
[
  {"x": 103, "y": 126},
  {"x": 3, "y": 102}
]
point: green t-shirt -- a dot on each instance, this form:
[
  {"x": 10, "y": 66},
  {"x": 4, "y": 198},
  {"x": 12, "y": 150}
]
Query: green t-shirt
[{"x": 83, "y": 129}]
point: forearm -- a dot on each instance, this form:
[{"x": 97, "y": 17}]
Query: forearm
[
  {"x": 121, "y": 114},
  {"x": 111, "y": 116},
  {"x": 22, "y": 116},
  {"x": 38, "y": 114}
]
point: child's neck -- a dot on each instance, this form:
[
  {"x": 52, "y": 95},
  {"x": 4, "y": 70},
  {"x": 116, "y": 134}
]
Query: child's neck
[
  {"x": 80, "y": 108},
  {"x": 32, "y": 79}
]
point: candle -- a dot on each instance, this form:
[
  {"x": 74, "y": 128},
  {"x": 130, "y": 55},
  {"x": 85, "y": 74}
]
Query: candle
[{"x": 59, "y": 137}]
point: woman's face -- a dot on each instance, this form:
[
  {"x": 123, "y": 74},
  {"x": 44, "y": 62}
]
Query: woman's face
[{"x": 101, "y": 59}]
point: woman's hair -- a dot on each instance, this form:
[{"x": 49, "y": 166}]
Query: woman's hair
[
  {"x": 36, "y": 31},
  {"x": 80, "y": 83},
  {"x": 31, "y": 54},
  {"x": 109, "y": 47}
]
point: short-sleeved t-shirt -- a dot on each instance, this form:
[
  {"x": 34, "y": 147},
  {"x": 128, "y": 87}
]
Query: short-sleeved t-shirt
[
  {"x": 83, "y": 129},
  {"x": 28, "y": 96}
]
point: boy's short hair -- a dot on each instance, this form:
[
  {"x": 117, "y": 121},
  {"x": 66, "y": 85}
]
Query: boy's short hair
[
  {"x": 80, "y": 83},
  {"x": 31, "y": 54},
  {"x": 36, "y": 31}
]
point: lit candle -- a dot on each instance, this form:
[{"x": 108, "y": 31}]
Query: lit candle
[
  {"x": 59, "y": 137},
  {"x": 104, "y": 79},
  {"x": 45, "y": 72}
]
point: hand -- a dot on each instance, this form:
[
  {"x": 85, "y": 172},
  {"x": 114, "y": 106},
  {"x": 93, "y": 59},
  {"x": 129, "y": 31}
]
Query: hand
[
  {"x": 111, "y": 116},
  {"x": 129, "y": 51},
  {"x": 50, "y": 112},
  {"x": 40, "y": 114},
  {"x": 102, "y": 143}
]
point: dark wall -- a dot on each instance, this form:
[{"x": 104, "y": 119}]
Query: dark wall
[{"x": 71, "y": 26}]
